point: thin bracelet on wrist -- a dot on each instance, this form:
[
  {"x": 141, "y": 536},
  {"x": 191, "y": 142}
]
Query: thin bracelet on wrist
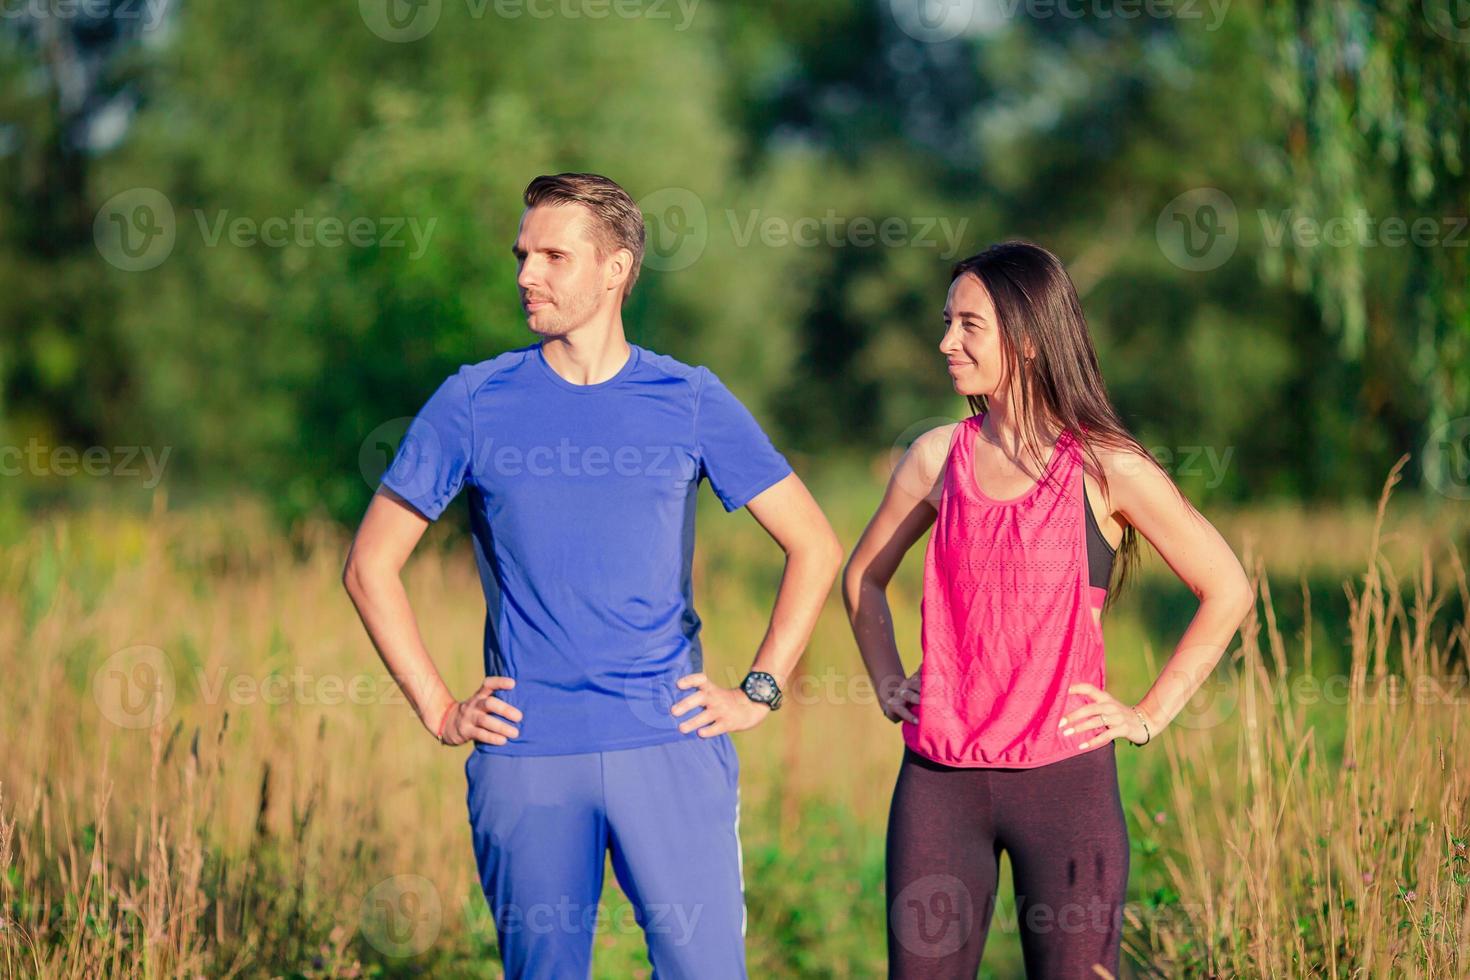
[
  {"x": 439, "y": 732},
  {"x": 1146, "y": 730}
]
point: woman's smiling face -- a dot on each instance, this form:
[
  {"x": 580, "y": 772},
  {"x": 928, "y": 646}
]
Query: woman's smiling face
[{"x": 972, "y": 343}]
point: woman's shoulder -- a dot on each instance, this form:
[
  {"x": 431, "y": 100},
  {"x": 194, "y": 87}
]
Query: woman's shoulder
[
  {"x": 936, "y": 439},
  {"x": 922, "y": 466},
  {"x": 1122, "y": 462},
  {"x": 934, "y": 445},
  {"x": 1129, "y": 472}
]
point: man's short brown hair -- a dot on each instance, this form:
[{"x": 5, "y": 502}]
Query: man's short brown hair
[{"x": 617, "y": 222}]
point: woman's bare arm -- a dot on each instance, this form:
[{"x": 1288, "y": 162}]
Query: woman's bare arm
[
  {"x": 908, "y": 509},
  {"x": 1144, "y": 496}
]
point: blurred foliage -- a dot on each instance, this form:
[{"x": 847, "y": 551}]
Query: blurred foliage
[
  {"x": 288, "y": 369},
  {"x": 1374, "y": 101}
]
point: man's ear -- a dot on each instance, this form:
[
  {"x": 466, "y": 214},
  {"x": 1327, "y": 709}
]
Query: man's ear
[{"x": 619, "y": 267}]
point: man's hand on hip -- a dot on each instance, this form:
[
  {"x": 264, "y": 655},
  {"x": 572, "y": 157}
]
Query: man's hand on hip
[
  {"x": 725, "y": 709},
  {"x": 481, "y": 717}
]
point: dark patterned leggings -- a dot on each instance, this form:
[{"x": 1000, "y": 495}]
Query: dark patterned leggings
[{"x": 1062, "y": 825}]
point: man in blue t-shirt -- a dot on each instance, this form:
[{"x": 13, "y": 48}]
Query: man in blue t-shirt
[{"x": 596, "y": 730}]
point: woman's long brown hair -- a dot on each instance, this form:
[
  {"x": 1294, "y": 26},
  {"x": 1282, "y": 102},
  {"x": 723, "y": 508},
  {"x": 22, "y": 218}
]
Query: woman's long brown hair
[{"x": 1061, "y": 386}]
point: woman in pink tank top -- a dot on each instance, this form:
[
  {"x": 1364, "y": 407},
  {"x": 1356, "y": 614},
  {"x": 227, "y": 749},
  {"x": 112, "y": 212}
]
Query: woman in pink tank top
[
  {"x": 1008, "y": 724},
  {"x": 1003, "y": 581}
]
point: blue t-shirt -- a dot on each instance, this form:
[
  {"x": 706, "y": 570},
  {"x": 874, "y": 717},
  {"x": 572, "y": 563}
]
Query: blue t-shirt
[{"x": 582, "y": 501}]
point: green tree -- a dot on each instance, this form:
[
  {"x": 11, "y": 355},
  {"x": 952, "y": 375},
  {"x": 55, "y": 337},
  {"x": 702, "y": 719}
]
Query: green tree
[{"x": 1373, "y": 106}]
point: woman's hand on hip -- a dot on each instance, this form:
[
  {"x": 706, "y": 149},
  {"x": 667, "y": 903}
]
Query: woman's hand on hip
[
  {"x": 896, "y": 704},
  {"x": 1115, "y": 719}
]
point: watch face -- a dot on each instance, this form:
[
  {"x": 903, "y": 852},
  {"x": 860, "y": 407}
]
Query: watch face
[{"x": 760, "y": 688}]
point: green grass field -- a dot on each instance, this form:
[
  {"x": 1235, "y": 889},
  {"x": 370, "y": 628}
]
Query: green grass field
[{"x": 286, "y": 815}]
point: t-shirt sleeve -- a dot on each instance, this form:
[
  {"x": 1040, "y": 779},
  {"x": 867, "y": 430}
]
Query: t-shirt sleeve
[
  {"x": 734, "y": 452},
  {"x": 433, "y": 459}
]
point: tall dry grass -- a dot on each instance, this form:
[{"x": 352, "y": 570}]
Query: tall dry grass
[
  {"x": 1322, "y": 829},
  {"x": 214, "y": 828}
]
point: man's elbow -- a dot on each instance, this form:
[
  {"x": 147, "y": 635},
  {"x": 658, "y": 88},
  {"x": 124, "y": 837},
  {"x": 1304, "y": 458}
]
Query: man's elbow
[
  {"x": 831, "y": 552},
  {"x": 357, "y": 575},
  {"x": 351, "y": 576},
  {"x": 818, "y": 547}
]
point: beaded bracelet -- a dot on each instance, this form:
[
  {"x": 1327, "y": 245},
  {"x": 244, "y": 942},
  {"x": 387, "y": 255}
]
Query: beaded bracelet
[{"x": 1146, "y": 731}]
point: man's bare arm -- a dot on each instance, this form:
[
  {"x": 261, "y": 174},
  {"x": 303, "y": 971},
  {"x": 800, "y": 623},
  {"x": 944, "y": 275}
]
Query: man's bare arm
[
  {"x": 389, "y": 532},
  {"x": 813, "y": 555},
  {"x": 792, "y": 517}
]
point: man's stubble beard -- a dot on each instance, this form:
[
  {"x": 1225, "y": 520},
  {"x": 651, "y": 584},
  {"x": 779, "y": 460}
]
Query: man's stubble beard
[{"x": 564, "y": 321}]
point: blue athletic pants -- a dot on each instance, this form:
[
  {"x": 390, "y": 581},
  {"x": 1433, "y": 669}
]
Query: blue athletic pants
[{"x": 670, "y": 816}]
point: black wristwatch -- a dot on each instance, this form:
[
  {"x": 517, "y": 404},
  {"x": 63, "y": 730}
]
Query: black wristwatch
[{"x": 762, "y": 688}]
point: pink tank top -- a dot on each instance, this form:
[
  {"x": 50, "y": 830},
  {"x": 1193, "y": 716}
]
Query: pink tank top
[{"x": 1007, "y": 617}]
